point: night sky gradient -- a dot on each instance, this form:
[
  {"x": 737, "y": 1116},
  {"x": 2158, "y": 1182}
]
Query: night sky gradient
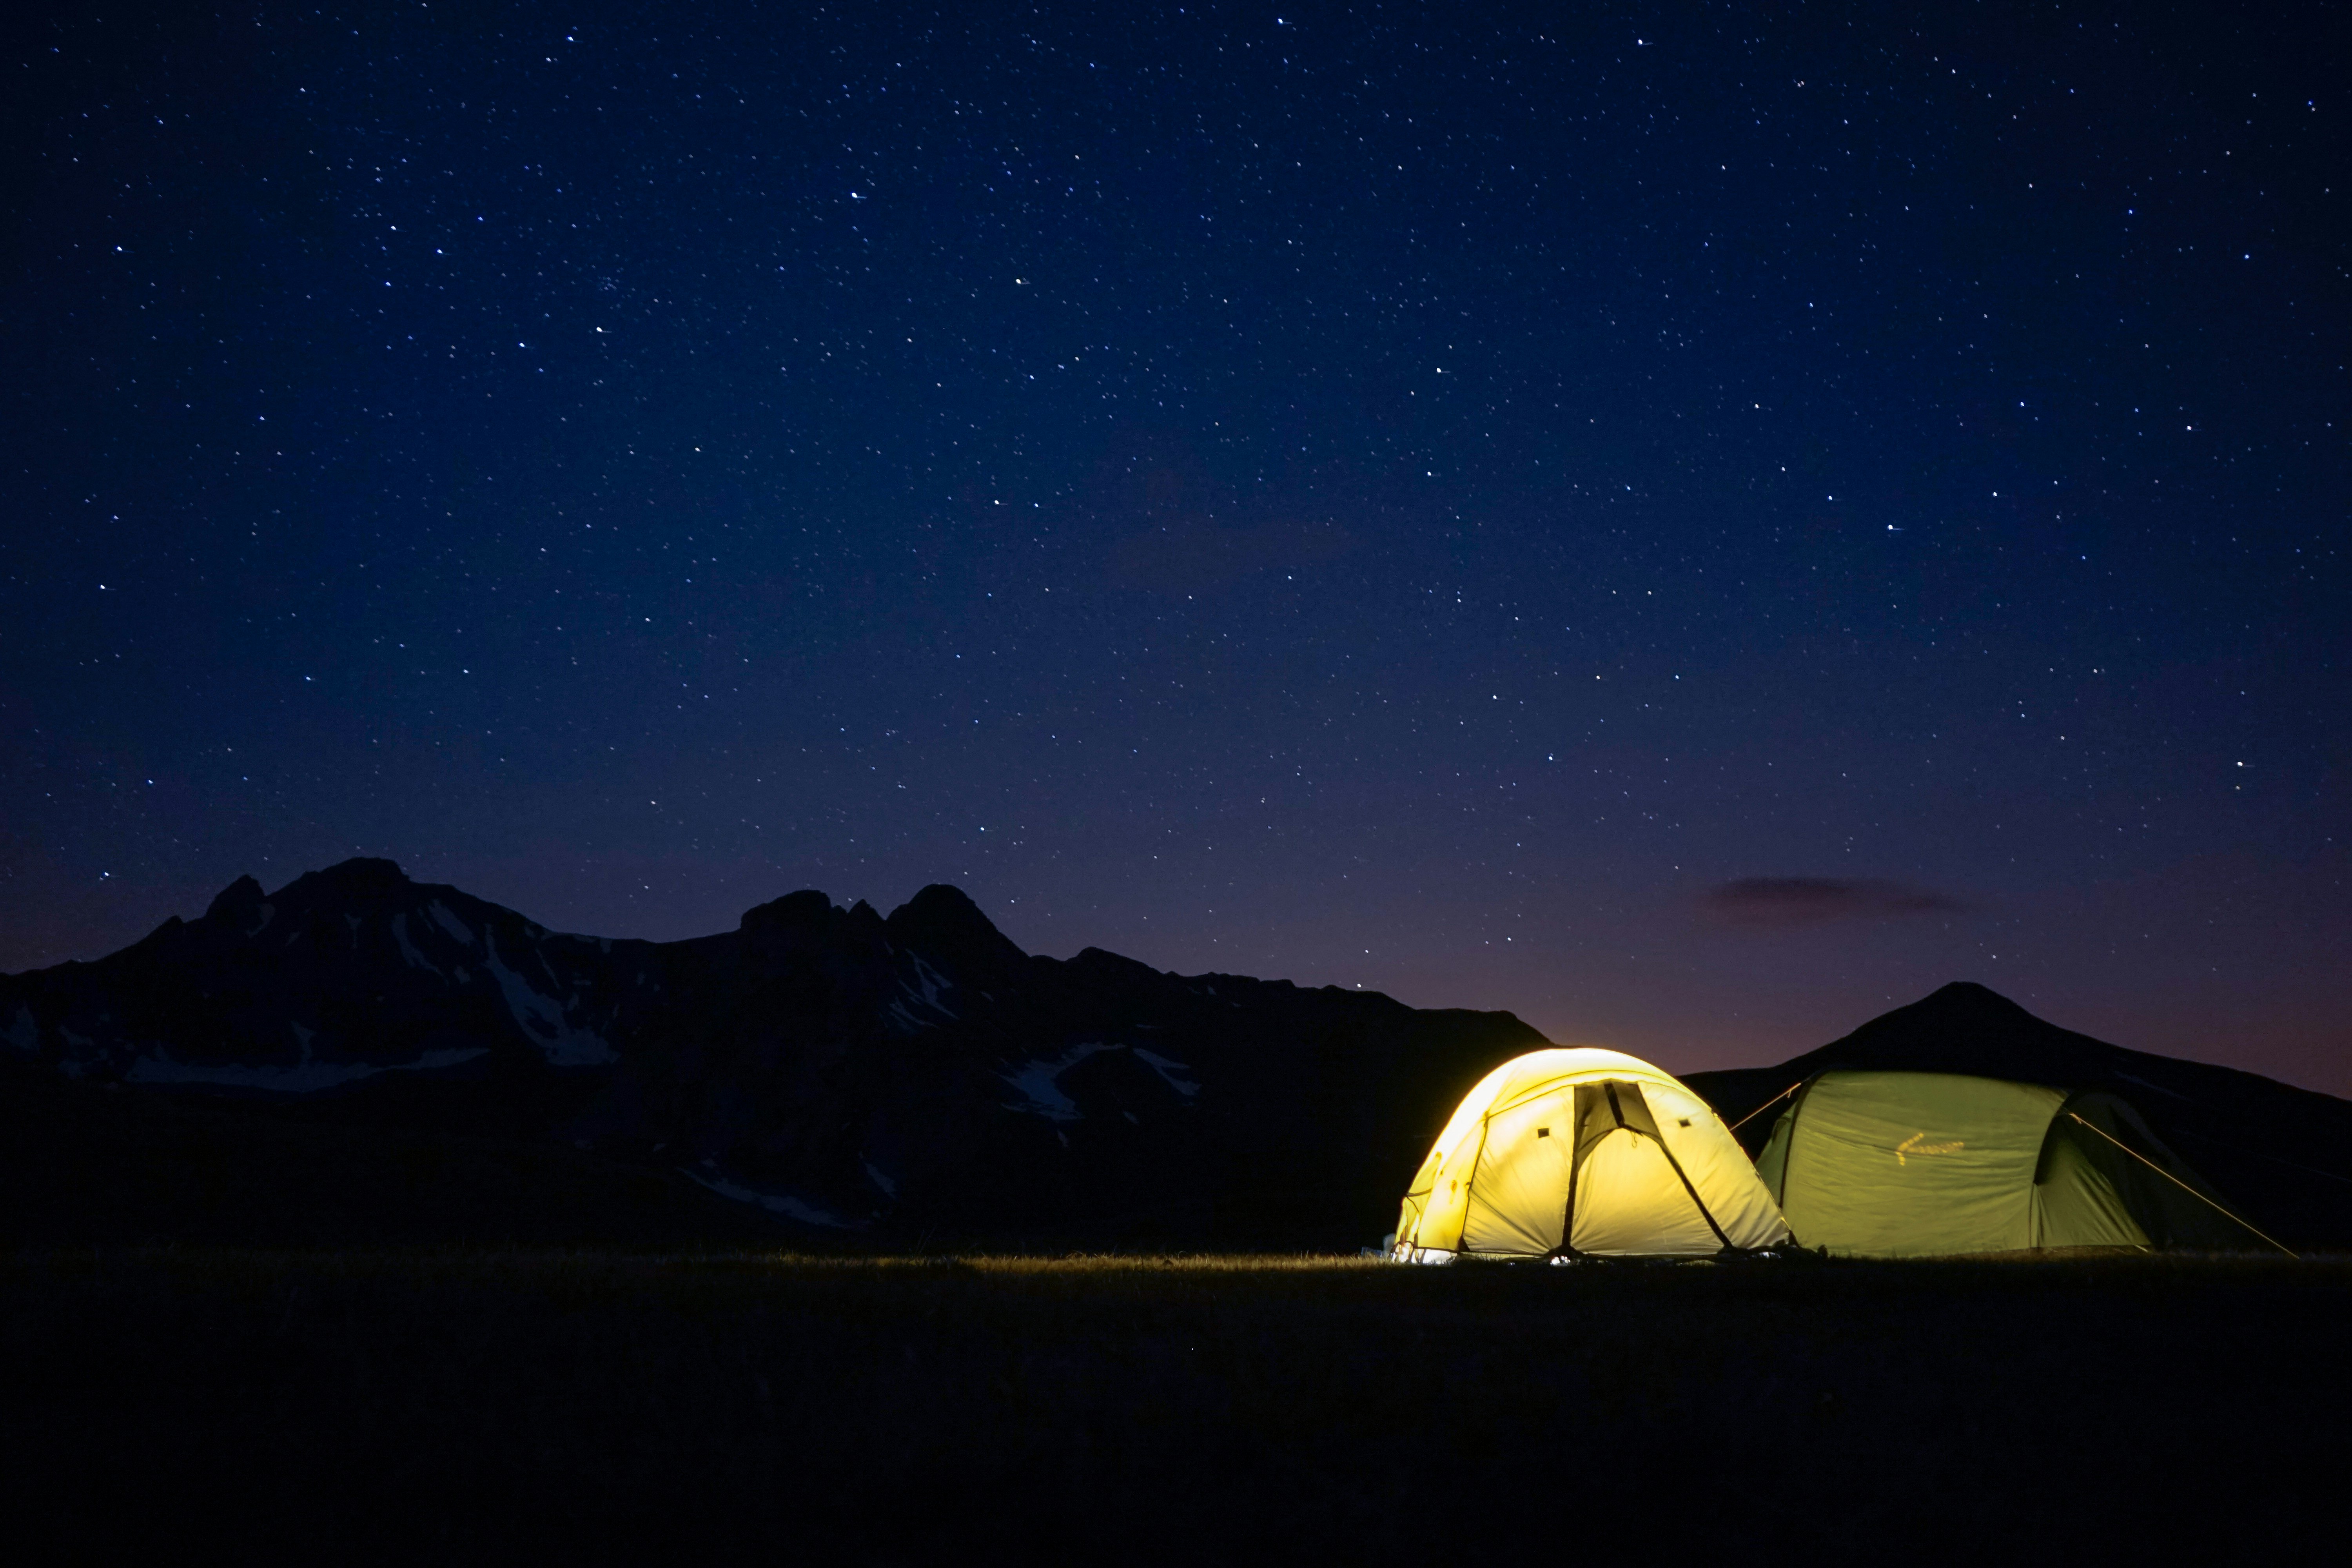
[{"x": 1695, "y": 524}]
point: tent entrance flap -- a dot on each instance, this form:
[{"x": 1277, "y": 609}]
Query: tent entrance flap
[{"x": 1608, "y": 1107}]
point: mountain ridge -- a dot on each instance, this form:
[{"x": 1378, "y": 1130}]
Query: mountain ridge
[{"x": 861, "y": 1074}]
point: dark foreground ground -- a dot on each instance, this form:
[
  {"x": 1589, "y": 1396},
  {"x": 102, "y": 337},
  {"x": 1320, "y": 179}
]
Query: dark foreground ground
[{"x": 552, "y": 1406}]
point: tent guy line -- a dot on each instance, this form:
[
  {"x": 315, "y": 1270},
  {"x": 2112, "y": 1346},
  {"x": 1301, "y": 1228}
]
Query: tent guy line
[{"x": 2185, "y": 1187}]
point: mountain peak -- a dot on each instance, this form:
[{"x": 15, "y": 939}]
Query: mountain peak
[
  {"x": 361, "y": 873},
  {"x": 940, "y": 898},
  {"x": 944, "y": 924},
  {"x": 1967, "y": 998},
  {"x": 235, "y": 900},
  {"x": 1967, "y": 1028},
  {"x": 793, "y": 911}
]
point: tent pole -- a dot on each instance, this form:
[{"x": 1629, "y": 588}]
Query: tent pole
[
  {"x": 1698, "y": 1202},
  {"x": 1575, "y": 1164},
  {"x": 1470, "y": 1185}
]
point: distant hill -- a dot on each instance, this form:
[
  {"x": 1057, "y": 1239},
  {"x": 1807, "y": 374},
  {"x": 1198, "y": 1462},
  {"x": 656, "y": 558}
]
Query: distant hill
[
  {"x": 2282, "y": 1155},
  {"x": 348, "y": 1058}
]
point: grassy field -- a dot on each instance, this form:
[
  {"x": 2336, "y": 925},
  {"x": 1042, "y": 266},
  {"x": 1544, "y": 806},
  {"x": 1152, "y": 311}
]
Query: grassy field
[{"x": 460, "y": 1406}]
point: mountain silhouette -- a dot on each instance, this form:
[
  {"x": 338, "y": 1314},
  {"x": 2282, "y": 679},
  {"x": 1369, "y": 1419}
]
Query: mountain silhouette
[{"x": 845, "y": 1074}]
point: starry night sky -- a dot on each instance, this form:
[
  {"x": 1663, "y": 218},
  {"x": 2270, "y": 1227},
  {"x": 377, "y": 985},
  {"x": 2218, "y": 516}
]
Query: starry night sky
[{"x": 1694, "y": 524}]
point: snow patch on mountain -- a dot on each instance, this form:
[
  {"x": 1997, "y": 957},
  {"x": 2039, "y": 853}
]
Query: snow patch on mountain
[
  {"x": 1041, "y": 1094},
  {"x": 1167, "y": 1071},
  {"x": 414, "y": 958},
  {"x": 774, "y": 1202},
  {"x": 542, "y": 1016},
  {"x": 449, "y": 922},
  {"x": 927, "y": 993},
  {"x": 306, "y": 1079},
  {"x": 24, "y": 1032},
  {"x": 935, "y": 986}
]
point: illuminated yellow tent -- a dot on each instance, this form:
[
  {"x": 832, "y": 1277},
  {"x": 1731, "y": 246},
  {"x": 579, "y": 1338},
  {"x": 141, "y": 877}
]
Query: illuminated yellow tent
[
  {"x": 1892, "y": 1164},
  {"x": 1597, "y": 1145}
]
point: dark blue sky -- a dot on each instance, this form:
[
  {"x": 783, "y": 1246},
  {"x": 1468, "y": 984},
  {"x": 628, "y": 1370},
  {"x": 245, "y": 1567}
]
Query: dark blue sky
[{"x": 1437, "y": 499}]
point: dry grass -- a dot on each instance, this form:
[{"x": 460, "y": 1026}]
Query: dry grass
[{"x": 465, "y": 1406}]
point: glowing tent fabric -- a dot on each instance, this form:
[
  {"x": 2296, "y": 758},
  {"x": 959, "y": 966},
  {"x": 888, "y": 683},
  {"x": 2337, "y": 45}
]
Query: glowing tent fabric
[
  {"x": 1601, "y": 1146},
  {"x": 1892, "y": 1164}
]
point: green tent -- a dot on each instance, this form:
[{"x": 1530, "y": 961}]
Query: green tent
[{"x": 1891, "y": 1165}]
